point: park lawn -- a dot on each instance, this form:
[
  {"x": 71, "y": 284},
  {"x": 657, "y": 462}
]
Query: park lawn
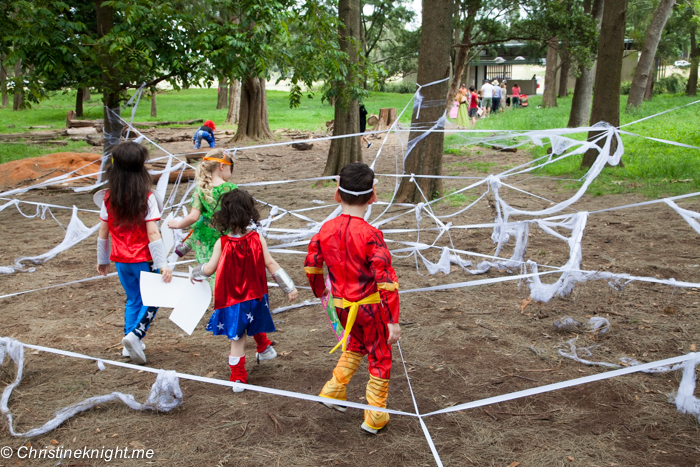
[
  {"x": 651, "y": 168},
  {"x": 183, "y": 105}
]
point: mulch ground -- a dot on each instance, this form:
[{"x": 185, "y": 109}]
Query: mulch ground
[{"x": 459, "y": 345}]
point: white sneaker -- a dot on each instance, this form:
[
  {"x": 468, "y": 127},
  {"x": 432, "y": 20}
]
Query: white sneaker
[
  {"x": 238, "y": 389},
  {"x": 125, "y": 352},
  {"x": 132, "y": 344},
  {"x": 268, "y": 354},
  {"x": 339, "y": 408},
  {"x": 369, "y": 429}
]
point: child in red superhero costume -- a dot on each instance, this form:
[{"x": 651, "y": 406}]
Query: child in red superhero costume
[
  {"x": 365, "y": 285},
  {"x": 240, "y": 291}
]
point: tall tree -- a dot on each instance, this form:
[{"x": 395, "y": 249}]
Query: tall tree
[
  {"x": 433, "y": 64},
  {"x": 549, "y": 97},
  {"x": 564, "y": 70},
  {"x": 222, "y": 93},
  {"x": 583, "y": 89},
  {"x": 646, "y": 59},
  {"x": 606, "y": 98},
  {"x": 692, "y": 88},
  {"x": 347, "y": 114},
  {"x": 234, "y": 102}
]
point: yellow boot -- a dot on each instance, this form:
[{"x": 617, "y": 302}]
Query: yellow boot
[
  {"x": 377, "y": 392},
  {"x": 335, "y": 387}
]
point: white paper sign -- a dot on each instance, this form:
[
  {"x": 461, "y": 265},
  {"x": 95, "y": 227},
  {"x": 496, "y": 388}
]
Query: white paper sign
[{"x": 190, "y": 301}]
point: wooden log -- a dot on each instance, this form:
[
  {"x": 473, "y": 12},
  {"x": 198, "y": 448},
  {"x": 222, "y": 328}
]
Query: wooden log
[
  {"x": 303, "y": 146},
  {"x": 51, "y": 142},
  {"x": 91, "y": 130},
  {"x": 387, "y": 116},
  {"x": 372, "y": 120}
]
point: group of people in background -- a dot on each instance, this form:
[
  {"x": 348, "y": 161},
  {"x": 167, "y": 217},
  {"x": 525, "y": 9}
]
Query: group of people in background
[{"x": 493, "y": 97}]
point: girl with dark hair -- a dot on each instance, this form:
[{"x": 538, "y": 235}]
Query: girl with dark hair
[
  {"x": 212, "y": 177},
  {"x": 129, "y": 212},
  {"x": 239, "y": 259}
]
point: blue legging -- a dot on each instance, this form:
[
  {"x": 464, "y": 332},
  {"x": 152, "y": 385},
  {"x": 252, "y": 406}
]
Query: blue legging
[
  {"x": 137, "y": 317},
  {"x": 203, "y": 135}
]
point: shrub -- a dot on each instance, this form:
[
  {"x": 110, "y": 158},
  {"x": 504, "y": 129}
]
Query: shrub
[
  {"x": 402, "y": 87},
  {"x": 674, "y": 84}
]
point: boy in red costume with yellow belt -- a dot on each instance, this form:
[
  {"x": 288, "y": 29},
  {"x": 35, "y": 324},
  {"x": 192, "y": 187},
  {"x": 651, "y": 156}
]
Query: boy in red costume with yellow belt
[{"x": 365, "y": 291}]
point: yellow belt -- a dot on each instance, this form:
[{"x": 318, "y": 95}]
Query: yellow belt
[{"x": 352, "y": 314}]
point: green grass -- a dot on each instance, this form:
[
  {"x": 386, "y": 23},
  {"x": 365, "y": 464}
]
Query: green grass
[
  {"x": 16, "y": 151},
  {"x": 188, "y": 104},
  {"x": 651, "y": 168}
]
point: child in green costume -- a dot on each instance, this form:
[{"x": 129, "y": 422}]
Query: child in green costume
[{"x": 211, "y": 178}]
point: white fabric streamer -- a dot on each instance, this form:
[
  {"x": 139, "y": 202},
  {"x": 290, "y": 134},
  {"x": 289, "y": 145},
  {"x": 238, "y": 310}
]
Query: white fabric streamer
[
  {"x": 76, "y": 233},
  {"x": 165, "y": 394}
]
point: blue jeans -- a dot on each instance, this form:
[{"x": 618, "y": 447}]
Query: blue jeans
[
  {"x": 200, "y": 135},
  {"x": 137, "y": 317},
  {"x": 516, "y": 102}
]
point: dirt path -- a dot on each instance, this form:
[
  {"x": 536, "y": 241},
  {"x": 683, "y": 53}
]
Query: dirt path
[{"x": 460, "y": 345}]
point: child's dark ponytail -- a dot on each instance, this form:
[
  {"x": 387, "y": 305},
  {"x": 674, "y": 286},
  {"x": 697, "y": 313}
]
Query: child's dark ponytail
[
  {"x": 236, "y": 212},
  {"x": 129, "y": 183}
]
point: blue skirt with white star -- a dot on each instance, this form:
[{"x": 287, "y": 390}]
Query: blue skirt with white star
[{"x": 233, "y": 321}]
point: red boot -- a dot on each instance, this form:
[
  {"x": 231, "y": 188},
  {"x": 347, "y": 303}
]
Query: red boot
[{"x": 238, "y": 373}]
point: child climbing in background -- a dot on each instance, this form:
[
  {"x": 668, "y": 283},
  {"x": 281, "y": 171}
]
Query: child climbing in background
[
  {"x": 211, "y": 178},
  {"x": 240, "y": 294},
  {"x": 365, "y": 291},
  {"x": 129, "y": 214},
  {"x": 206, "y": 133}
]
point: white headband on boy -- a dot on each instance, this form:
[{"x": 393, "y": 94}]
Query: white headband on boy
[{"x": 355, "y": 193}]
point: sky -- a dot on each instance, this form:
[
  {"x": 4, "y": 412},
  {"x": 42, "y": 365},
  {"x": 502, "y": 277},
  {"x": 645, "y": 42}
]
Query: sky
[{"x": 416, "y": 5}]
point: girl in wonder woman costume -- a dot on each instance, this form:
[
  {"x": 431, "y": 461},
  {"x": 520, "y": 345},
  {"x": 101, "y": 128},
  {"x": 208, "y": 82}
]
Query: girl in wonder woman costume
[
  {"x": 239, "y": 259},
  {"x": 211, "y": 178},
  {"x": 129, "y": 212}
]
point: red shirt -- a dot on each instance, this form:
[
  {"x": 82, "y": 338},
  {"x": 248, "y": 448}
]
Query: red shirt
[
  {"x": 474, "y": 101},
  {"x": 357, "y": 259},
  {"x": 240, "y": 275},
  {"x": 130, "y": 242}
]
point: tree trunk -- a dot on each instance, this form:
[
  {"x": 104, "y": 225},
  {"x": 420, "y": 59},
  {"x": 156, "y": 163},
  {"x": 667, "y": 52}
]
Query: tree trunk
[
  {"x": 646, "y": 59},
  {"x": 18, "y": 102},
  {"x": 234, "y": 103},
  {"x": 549, "y": 98},
  {"x": 222, "y": 99},
  {"x": 583, "y": 90},
  {"x": 154, "y": 103},
  {"x": 433, "y": 64},
  {"x": 79, "y": 101},
  {"x": 649, "y": 91},
  {"x": 564, "y": 71},
  {"x": 692, "y": 88},
  {"x": 462, "y": 52},
  {"x": 3, "y": 82},
  {"x": 343, "y": 151},
  {"x": 611, "y": 46},
  {"x": 113, "y": 127},
  {"x": 253, "y": 123},
  {"x": 86, "y": 95}
]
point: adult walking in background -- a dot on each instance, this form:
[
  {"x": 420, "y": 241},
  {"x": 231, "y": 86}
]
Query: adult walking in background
[
  {"x": 363, "y": 125},
  {"x": 463, "y": 112},
  {"x": 487, "y": 97},
  {"x": 516, "y": 96},
  {"x": 496, "y": 96},
  {"x": 504, "y": 95}
]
